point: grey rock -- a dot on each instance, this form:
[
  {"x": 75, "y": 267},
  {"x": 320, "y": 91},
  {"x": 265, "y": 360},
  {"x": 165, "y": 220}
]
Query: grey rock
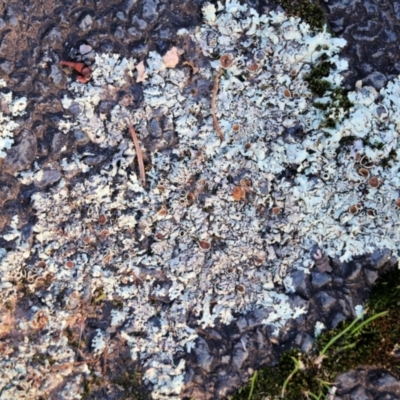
[
  {"x": 325, "y": 300},
  {"x": 347, "y": 381},
  {"x": 204, "y": 358},
  {"x": 21, "y": 156},
  {"x": 351, "y": 271},
  {"x": 396, "y": 7},
  {"x": 58, "y": 144},
  {"x": 9, "y": 188},
  {"x": 53, "y": 35},
  {"x": 370, "y": 276},
  {"x": 301, "y": 284},
  {"x": 375, "y": 79},
  {"x": 134, "y": 33},
  {"x": 346, "y": 310},
  {"x": 320, "y": 279},
  {"x": 119, "y": 32},
  {"x": 89, "y": 57},
  {"x": 81, "y": 138},
  {"x": 56, "y": 75},
  {"x": 305, "y": 341},
  {"x": 140, "y": 50},
  {"x": 241, "y": 323},
  {"x": 389, "y": 36},
  {"x": 336, "y": 320},
  {"x": 149, "y": 10},
  {"x": 94, "y": 160},
  {"x": 239, "y": 355},
  {"x": 2, "y": 23},
  {"x": 139, "y": 23},
  {"x": 386, "y": 382},
  {"x": 380, "y": 258},
  {"x": 167, "y": 123},
  {"x": 48, "y": 175},
  {"x": 86, "y": 22},
  {"x": 85, "y": 49},
  {"x": 155, "y": 128},
  {"x": 6, "y": 67},
  {"x": 75, "y": 108},
  {"x": 360, "y": 393},
  {"x": 121, "y": 16},
  {"x": 368, "y": 32}
]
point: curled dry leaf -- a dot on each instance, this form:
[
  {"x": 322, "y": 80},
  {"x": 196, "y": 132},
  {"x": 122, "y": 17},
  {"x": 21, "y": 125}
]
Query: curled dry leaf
[
  {"x": 238, "y": 193},
  {"x": 141, "y": 70},
  {"x": 191, "y": 65},
  {"x": 171, "y": 58}
]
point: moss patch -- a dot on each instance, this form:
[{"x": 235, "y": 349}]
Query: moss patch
[
  {"x": 374, "y": 344},
  {"x": 309, "y": 12}
]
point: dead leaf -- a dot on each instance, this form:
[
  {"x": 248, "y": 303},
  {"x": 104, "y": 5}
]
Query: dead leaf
[
  {"x": 191, "y": 65},
  {"x": 171, "y": 58},
  {"x": 238, "y": 193},
  {"x": 141, "y": 70}
]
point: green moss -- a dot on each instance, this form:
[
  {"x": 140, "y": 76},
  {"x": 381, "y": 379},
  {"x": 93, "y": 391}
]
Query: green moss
[
  {"x": 309, "y": 12},
  {"x": 372, "y": 344}
]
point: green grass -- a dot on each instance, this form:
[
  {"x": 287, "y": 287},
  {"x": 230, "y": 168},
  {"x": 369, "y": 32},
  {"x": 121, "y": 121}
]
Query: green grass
[{"x": 371, "y": 341}]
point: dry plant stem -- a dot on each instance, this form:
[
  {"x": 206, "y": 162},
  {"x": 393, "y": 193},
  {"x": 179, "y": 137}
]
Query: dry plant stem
[
  {"x": 213, "y": 105},
  {"x": 71, "y": 364},
  {"x": 138, "y": 151}
]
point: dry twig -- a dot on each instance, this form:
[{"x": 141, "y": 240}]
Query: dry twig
[
  {"x": 138, "y": 151},
  {"x": 213, "y": 105}
]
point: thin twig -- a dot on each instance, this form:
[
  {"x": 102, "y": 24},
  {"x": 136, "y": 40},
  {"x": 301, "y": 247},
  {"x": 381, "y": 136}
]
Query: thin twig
[
  {"x": 138, "y": 151},
  {"x": 71, "y": 364},
  {"x": 214, "y": 106}
]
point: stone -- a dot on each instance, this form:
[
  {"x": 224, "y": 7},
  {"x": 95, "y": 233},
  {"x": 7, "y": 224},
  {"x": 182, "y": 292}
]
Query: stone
[
  {"x": 359, "y": 393},
  {"x": 351, "y": 271},
  {"x": 336, "y": 320},
  {"x": 134, "y": 33},
  {"x": 301, "y": 283},
  {"x": 21, "y": 156},
  {"x": 48, "y": 175},
  {"x": 241, "y": 323},
  {"x": 121, "y": 16},
  {"x": 81, "y": 138},
  {"x": 347, "y": 381},
  {"x": 119, "y": 32},
  {"x": 155, "y": 128},
  {"x": 139, "y": 23},
  {"x": 85, "y": 49},
  {"x": 204, "y": 358},
  {"x": 380, "y": 258},
  {"x": 86, "y": 22},
  {"x": 320, "y": 279},
  {"x": 375, "y": 79},
  {"x": 9, "y": 188},
  {"x": 385, "y": 381},
  {"x": 58, "y": 144},
  {"x": 325, "y": 300},
  {"x": 370, "y": 276},
  {"x": 239, "y": 355},
  {"x": 149, "y": 12},
  {"x": 396, "y": 7},
  {"x": 94, "y": 160},
  {"x": 56, "y": 75}
]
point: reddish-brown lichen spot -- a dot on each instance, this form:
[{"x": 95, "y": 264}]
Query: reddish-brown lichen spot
[
  {"x": 247, "y": 146},
  {"x": 162, "y": 211},
  {"x": 190, "y": 197},
  {"x": 246, "y": 182},
  {"x": 102, "y": 219},
  {"x": 104, "y": 233},
  {"x": 364, "y": 172},
  {"x": 235, "y": 127},
  {"x": 353, "y": 209},
  {"x": 87, "y": 240},
  {"x": 226, "y": 61},
  {"x": 374, "y": 182},
  {"x": 107, "y": 258},
  {"x": 287, "y": 93},
  {"x": 238, "y": 193},
  {"x": 398, "y": 202},
  {"x": 252, "y": 67},
  {"x": 371, "y": 212},
  {"x": 70, "y": 264},
  {"x": 161, "y": 188},
  {"x": 240, "y": 288},
  {"x": 293, "y": 72},
  {"x": 204, "y": 244},
  {"x": 276, "y": 210},
  {"x": 41, "y": 264},
  {"x": 159, "y": 236}
]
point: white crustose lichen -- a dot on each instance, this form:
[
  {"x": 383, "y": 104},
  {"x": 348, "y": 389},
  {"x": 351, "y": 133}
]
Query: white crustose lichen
[{"x": 219, "y": 225}]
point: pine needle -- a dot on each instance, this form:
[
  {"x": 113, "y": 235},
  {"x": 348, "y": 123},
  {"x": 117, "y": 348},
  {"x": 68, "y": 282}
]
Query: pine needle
[
  {"x": 138, "y": 151},
  {"x": 214, "y": 106}
]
